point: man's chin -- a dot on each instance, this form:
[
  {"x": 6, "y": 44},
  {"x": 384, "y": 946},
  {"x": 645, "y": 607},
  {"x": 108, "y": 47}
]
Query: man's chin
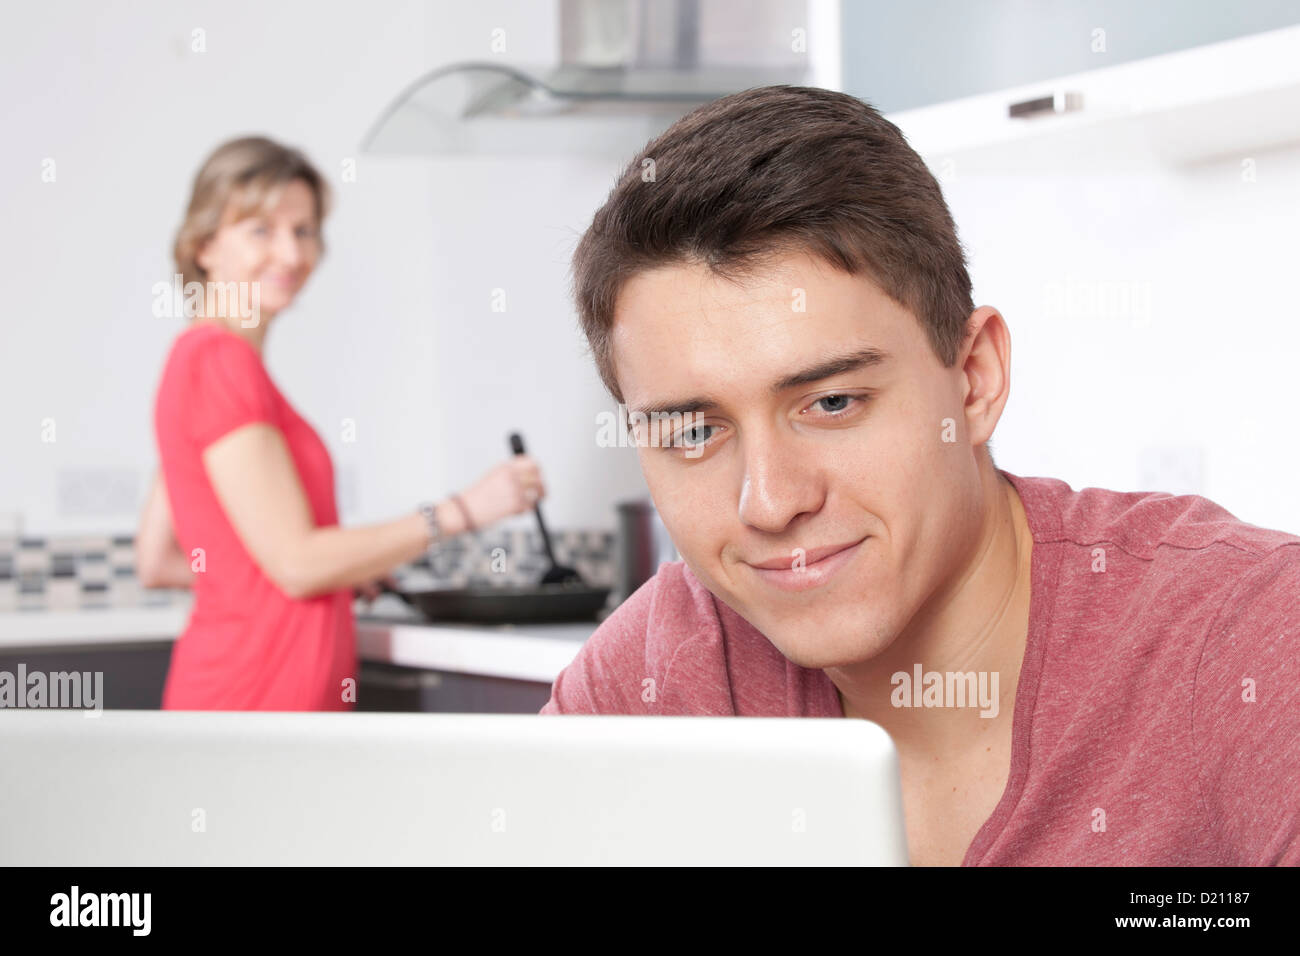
[{"x": 817, "y": 641}]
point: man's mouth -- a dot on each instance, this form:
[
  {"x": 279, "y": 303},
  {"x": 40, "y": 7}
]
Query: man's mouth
[{"x": 803, "y": 571}]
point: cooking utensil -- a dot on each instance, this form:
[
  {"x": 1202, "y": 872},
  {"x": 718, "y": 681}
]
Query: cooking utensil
[
  {"x": 562, "y": 594},
  {"x": 557, "y": 573},
  {"x": 537, "y": 604}
]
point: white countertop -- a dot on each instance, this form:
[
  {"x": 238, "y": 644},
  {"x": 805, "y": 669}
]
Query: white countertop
[
  {"x": 98, "y": 626},
  {"x": 532, "y": 652}
]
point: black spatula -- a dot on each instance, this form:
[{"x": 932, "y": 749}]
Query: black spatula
[{"x": 557, "y": 573}]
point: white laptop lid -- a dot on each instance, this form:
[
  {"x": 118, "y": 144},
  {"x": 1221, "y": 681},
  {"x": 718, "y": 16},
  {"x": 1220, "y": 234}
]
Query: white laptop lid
[{"x": 199, "y": 788}]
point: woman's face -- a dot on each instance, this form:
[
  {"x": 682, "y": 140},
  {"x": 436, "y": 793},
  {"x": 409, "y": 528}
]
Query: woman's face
[{"x": 276, "y": 248}]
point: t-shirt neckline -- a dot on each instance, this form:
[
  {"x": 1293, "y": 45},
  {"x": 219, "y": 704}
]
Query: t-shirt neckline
[{"x": 1044, "y": 526}]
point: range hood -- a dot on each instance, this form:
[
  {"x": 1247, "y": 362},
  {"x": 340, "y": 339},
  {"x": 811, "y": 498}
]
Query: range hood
[{"x": 628, "y": 69}]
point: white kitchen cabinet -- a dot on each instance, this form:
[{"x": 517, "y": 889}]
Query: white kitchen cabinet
[
  {"x": 1235, "y": 97},
  {"x": 902, "y": 56}
]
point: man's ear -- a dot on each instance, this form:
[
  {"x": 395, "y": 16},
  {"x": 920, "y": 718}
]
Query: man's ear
[{"x": 987, "y": 366}]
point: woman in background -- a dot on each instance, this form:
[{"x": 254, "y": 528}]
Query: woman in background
[{"x": 246, "y": 483}]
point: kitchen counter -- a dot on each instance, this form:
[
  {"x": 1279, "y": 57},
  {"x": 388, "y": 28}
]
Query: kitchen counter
[
  {"x": 385, "y": 634},
  {"x": 93, "y": 626},
  {"x": 530, "y": 652}
]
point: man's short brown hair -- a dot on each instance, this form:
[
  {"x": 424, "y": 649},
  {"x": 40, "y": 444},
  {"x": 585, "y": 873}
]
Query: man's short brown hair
[{"x": 772, "y": 170}]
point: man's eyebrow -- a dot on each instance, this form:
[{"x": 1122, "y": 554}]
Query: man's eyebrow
[
  {"x": 836, "y": 365},
  {"x": 854, "y": 361}
]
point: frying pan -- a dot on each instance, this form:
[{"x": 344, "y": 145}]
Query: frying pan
[
  {"x": 534, "y": 604},
  {"x": 562, "y": 594}
]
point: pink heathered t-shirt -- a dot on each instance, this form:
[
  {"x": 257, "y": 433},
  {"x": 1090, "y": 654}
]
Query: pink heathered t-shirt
[{"x": 1159, "y": 696}]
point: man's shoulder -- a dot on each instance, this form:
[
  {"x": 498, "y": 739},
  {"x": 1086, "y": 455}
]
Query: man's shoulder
[
  {"x": 1158, "y": 572},
  {"x": 624, "y": 664},
  {"x": 1183, "y": 550},
  {"x": 1176, "y": 573},
  {"x": 1147, "y": 523},
  {"x": 1180, "y": 616}
]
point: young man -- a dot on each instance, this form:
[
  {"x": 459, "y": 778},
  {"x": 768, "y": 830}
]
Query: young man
[{"x": 1070, "y": 677}]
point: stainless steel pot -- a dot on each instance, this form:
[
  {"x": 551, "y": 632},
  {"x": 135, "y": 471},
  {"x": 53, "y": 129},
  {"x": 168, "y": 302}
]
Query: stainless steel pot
[{"x": 643, "y": 544}]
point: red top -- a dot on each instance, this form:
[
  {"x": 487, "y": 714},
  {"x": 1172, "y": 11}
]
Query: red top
[
  {"x": 1157, "y": 714},
  {"x": 248, "y": 646}
]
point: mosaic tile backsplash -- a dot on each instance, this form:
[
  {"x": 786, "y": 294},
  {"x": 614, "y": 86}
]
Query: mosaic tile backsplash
[{"x": 98, "y": 571}]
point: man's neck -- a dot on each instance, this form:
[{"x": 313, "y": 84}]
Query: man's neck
[{"x": 979, "y": 625}]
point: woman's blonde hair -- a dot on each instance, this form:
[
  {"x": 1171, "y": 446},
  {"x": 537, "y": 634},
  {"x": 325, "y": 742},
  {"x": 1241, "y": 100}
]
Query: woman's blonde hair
[{"x": 249, "y": 171}]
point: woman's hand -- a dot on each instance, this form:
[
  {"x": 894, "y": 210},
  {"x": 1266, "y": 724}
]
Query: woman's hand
[
  {"x": 373, "y": 589},
  {"x": 510, "y": 488}
]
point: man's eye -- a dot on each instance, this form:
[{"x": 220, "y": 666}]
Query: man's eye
[
  {"x": 692, "y": 437},
  {"x": 836, "y": 405}
]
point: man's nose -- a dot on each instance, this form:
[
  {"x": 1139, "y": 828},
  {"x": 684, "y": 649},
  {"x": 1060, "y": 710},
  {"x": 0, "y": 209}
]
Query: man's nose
[{"x": 778, "y": 485}]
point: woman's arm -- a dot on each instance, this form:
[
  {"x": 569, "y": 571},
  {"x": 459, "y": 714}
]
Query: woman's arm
[
  {"x": 159, "y": 561},
  {"x": 257, "y": 484}
]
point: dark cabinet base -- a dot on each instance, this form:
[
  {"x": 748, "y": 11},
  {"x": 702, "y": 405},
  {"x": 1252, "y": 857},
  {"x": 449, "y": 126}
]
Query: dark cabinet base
[
  {"x": 388, "y": 687},
  {"x": 134, "y": 675}
]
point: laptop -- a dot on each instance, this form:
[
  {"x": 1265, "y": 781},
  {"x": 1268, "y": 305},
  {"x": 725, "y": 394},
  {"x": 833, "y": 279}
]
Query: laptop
[{"x": 191, "y": 788}]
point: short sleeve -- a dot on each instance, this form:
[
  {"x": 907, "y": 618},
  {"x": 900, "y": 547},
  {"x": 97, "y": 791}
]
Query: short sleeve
[
  {"x": 1246, "y": 715},
  {"x": 228, "y": 388}
]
